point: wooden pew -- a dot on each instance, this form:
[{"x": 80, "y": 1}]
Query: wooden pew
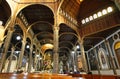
[
  {"x": 96, "y": 76},
  {"x": 75, "y": 75},
  {"x": 108, "y": 77},
  {"x": 55, "y": 76},
  {"x": 33, "y": 76},
  {"x": 118, "y": 77},
  {"x": 86, "y": 76}
]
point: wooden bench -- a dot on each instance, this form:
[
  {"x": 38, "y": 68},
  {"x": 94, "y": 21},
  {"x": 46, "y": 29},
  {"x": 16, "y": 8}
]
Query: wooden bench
[
  {"x": 95, "y": 76},
  {"x": 55, "y": 76},
  {"x": 33, "y": 76},
  {"x": 108, "y": 77}
]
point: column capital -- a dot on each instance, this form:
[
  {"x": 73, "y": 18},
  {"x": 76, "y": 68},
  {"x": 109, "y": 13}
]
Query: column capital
[
  {"x": 56, "y": 28},
  {"x": 13, "y": 48},
  {"x": 11, "y": 29},
  {"x": 81, "y": 42}
]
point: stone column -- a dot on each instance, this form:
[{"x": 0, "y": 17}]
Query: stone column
[
  {"x": 88, "y": 59},
  {"x": 30, "y": 58},
  {"x": 111, "y": 57},
  {"x": 36, "y": 60},
  {"x": 21, "y": 53},
  {"x": 5, "y": 48},
  {"x": 10, "y": 60},
  {"x": 76, "y": 59},
  {"x": 56, "y": 54},
  {"x": 95, "y": 52},
  {"x": 75, "y": 63},
  {"x": 85, "y": 67},
  {"x": 73, "y": 60}
]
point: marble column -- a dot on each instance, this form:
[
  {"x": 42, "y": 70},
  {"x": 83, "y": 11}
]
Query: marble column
[
  {"x": 55, "y": 50},
  {"x": 6, "y": 47}
]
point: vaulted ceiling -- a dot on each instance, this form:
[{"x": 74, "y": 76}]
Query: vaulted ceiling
[{"x": 42, "y": 20}]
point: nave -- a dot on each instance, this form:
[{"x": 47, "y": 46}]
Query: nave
[
  {"x": 60, "y": 38},
  {"x": 55, "y": 76}
]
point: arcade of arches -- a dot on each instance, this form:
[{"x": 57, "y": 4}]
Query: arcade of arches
[{"x": 60, "y": 36}]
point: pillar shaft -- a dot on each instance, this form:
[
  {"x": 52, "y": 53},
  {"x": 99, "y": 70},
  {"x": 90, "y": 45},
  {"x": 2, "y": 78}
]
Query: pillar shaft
[
  {"x": 117, "y": 3},
  {"x": 21, "y": 54},
  {"x": 83, "y": 58},
  {"x": 111, "y": 58},
  {"x": 30, "y": 58},
  {"x": 36, "y": 61},
  {"x": 76, "y": 59},
  {"x": 56, "y": 55},
  {"x": 5, "y": 48},
  {"x": 10, "y": 59},
  {"x": 97, "y": 60},
  {"x": 88, "y": 62}
]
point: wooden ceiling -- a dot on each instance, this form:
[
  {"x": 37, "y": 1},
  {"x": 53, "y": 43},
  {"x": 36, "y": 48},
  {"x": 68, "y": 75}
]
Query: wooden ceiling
[{"x": 45, "y": 18}]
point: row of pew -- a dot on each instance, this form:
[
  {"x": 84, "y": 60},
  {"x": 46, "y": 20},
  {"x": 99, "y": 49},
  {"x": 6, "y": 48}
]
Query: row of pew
[
  {"x": 55, "y": 76},
  {"x": 33, "y": 76},
  {"x": 96, "y": 76}
]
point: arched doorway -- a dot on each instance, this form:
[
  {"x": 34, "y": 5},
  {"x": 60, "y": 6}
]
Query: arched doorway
[
  {"x": 13, "y": 64},
  {"x": 117, "y": 51}
]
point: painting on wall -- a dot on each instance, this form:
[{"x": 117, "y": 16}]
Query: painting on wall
[
  {"x": 48, "y": 61},
  {"x": 92, "y": 60},
  {"x": 103, "y": 58}
]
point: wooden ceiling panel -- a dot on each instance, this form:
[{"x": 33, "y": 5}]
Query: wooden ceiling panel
[
  {"x": 71, "y": 7},
  {"x": 88, "y": 7}
]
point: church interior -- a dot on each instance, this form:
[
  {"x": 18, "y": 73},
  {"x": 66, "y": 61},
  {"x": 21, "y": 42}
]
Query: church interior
[{"x": 60, "y": 39}]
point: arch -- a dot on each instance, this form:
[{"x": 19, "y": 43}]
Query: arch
[
  {"x": 5, "y": 14},
  {"x": 44, "y": 41},
  {"x": 61, "y": 50},
  {"x": 27, "y": 5},
  {"x": 17, "y": 32},
  {"x": 29, "y": 2},
  {"x": 45, "y": 47},
  {"x": 66, "y": 42},
  {"x": 38, "y": 6},
  {"x": 67, "y": 28},
  {"x": 68, "y": 33},
  {"x": 65, "y": 48},
  {"x": 50, "y": 34},
  {"x": 5, "y": 11},
  {"x": 13, "y": 64},
  {"x": 37, "y": 23},
  {"x": 115, "y": 48}
]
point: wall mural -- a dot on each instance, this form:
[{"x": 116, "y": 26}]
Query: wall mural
[
  {"x": 48, "y": 66},
  {"x": 92, "y": 60},
  {"x": 102, "y": 58}
]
